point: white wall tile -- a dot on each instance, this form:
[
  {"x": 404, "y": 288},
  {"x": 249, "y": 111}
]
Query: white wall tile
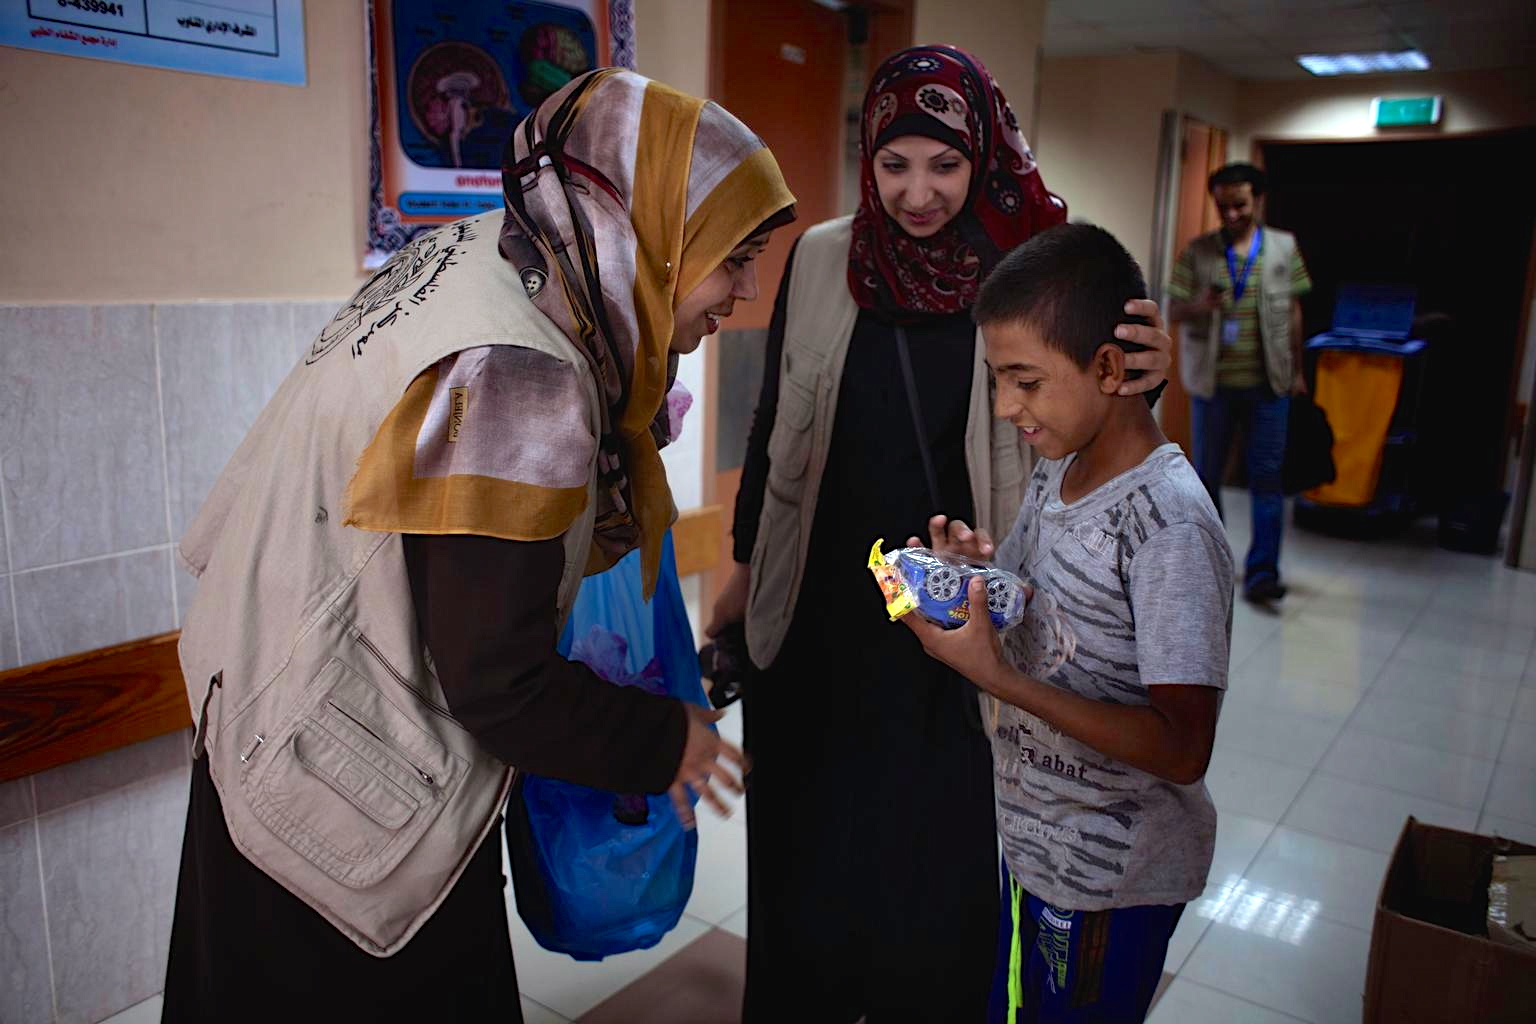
[
  {"x": 16, "y": 801},
  {"x": 84, "y": 474},
  {"x": 26, "y": 992},
  {"x": 10, "y": 652},
  {"x": 81, "y": 780},
  {"x": 219, "y": 364},
  {"x": 109, "y": 867},
  {"x": 79, "y": 607}
]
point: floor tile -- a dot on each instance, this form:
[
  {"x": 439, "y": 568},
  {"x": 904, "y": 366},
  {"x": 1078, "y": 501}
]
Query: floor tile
[
  {"x": 1279, "y": 659},
  {"x": 1284, "y": 957},
  {"x": 1367, "y": 816},
  {"x": 1345, "y": 635},
  {"x": 147, "y": 1012},
  {"x": 701, "y": 984},
  {"x": 1519, "y": 745},
  {"x": 535, "y": 1013},
  {"x": 1383, "y": 614},
  {"x": 1334, "y": 702},
  {"x": 571, "y": 988},
  {"x": 1286, "y": 736},
  {"x": 1517, "y": 637},
  {"x": 1239, "y": 838},
  {"x": 1412, "y": 721},
  {"x": 1513, "y": 794},
  {"x": 736, "y": 924},
  {"x": 1446, "y": 688},
  {"x": 1258, "y": 787},
  {"x": 1509, "y": 828},
  {"x": 1187, "y": 935},
  {"x": 1483, "y": 662},
  {"x": 1185, "y": 1002},
  {"x": 720, "y": 877},
  {"x": 1409, "y": 768},
  {"x": 1343, "y": 880},
  {"x": 1525, "y": 705}
]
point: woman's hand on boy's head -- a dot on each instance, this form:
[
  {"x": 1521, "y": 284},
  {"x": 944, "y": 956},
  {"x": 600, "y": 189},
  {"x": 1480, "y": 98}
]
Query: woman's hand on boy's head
[
  {"x": 1158, "y": 356},
  {"x": 974, "y": 650},
  {"x": 953, "y": 537}
]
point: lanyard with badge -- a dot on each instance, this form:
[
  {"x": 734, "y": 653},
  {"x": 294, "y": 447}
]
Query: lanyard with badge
[{"x": 1231, "y": 326}]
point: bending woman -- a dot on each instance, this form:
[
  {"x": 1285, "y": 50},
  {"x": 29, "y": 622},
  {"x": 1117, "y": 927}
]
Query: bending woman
[
  {"x": 385, "y": 563},
  {"x": 871, "y": 849}
]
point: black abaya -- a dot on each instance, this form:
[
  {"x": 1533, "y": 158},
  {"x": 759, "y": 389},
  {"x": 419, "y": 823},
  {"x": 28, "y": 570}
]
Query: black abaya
[{"x": 872, "y": 857}]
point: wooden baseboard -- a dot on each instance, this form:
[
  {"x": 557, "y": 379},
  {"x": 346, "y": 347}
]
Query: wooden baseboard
[
  {"x": 59, "y": 711},
  {"x": 64, "y": 710}
]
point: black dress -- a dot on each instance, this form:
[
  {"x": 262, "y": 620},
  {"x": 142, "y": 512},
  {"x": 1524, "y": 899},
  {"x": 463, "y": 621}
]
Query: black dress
[
  {"x": 244, "y": 948},
  {"x": 872, "y": 857}
]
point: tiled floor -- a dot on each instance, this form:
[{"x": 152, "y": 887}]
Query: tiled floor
[{"x": 1398, "y": 679}]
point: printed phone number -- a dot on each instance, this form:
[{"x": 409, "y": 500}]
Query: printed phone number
[{"x": 95, "y": 7}]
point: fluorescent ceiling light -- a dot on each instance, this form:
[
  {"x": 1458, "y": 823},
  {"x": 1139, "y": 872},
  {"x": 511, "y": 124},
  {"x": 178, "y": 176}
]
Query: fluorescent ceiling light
[{"x": 1363, "y": 63}]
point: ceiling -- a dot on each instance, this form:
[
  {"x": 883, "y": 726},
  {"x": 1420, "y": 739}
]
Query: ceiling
[{"x": 1260, "y": 39}]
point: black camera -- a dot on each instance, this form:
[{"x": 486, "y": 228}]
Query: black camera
[{"x": 727, "y": 665}]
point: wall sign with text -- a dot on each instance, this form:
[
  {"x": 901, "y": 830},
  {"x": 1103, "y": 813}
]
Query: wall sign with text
[
  {"x": 259, "y": 39},
  {"x": 450, "y": 80}
]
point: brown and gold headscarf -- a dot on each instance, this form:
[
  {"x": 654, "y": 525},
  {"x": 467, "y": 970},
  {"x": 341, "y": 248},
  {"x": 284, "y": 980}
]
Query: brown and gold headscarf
[{"x": 622, "y": 195}]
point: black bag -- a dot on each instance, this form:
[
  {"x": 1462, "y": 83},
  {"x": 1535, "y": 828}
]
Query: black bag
[{"x": 1308, "y": 448}]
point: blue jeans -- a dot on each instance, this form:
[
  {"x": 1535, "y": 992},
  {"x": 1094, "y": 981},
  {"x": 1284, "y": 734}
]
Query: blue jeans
[{"x": 1263, "y": 417}]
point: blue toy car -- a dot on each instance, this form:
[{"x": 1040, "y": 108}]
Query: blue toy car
[{"x": 940, "y": 583}]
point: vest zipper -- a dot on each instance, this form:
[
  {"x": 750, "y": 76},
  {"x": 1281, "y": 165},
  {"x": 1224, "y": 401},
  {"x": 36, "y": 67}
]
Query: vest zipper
[
  {"x": 378, "y": 656},
  {"x": 389, "y": 750}
]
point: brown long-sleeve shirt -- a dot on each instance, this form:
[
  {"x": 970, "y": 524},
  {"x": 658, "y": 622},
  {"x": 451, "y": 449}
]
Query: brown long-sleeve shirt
[{"x": 487, "y": 613}]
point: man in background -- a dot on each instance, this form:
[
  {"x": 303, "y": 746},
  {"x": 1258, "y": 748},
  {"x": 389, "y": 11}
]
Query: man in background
[{"x": 1235, "y": 293}]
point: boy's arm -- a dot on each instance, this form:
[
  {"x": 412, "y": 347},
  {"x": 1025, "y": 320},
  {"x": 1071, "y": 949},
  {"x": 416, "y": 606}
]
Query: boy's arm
[
  {"x": 1171, "y": 737},
  {"x": 1181, "y": 589}
]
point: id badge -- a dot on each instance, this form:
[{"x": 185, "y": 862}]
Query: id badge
[{"x": 1229, "y": 332}]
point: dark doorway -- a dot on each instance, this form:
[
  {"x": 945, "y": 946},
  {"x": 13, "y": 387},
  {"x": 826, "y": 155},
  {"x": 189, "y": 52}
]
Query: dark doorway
[{"x": 1454, "y": 218}]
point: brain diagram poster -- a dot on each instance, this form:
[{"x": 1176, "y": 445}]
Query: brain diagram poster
[{"x": 451, "y": 79}]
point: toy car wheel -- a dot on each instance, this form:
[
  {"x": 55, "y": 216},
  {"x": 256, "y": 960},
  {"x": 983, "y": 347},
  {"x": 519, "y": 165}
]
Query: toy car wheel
[
  {"x": 943, "y": 583},
  {"x": 999, "y": 595}
]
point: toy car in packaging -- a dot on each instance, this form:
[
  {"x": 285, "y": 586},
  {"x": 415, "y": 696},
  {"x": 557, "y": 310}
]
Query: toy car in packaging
[{"x": 936, "y": 585}]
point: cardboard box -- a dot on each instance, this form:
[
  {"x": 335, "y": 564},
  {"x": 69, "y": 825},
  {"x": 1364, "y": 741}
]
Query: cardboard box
[{"x": 1431, "y": 959}]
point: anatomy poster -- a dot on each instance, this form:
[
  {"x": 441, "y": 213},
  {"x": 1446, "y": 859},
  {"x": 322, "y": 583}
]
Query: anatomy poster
[{"x": 451, "y": 79}]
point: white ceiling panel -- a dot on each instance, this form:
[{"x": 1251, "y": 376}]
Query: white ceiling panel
[{"x": 1267, "y": 35}]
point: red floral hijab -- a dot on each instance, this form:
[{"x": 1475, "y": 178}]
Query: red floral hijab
[{"x": 944, "y": 93}]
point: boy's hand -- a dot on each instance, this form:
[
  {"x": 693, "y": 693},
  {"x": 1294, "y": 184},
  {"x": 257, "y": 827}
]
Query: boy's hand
[
  {"x": 953, "y": 537},
  {"x": 974, "y": 650},
  {"x": 1159, "y": 355}
]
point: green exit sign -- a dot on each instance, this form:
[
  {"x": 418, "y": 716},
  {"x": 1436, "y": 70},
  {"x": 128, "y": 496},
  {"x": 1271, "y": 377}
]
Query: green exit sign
[{"x": 1406, "y": 112}]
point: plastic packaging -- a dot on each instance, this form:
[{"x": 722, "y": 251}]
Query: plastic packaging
[
  {"x": 935, "y": 585},
  {"x": 598, "y": 873}
]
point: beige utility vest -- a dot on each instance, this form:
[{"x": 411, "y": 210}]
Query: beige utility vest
[
  {"x": 1200, "y": 336},
  {"x": 817, "y": 329},
  {"x": 342, "y": 773}
]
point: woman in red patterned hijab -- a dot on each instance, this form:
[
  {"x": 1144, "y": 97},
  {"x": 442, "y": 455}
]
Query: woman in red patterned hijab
[{"x": 941, "y": 94}]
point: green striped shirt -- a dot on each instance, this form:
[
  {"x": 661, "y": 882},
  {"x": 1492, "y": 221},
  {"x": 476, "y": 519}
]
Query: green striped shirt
[{"x": 1240, "y": 365}]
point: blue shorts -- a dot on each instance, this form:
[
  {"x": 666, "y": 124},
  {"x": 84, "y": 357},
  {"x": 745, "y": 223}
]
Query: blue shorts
[{"x": 1077, "y": 967}]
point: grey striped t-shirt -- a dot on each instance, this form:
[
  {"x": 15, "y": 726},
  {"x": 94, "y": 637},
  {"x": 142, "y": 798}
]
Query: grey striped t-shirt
[{"x": 1143, "y": 575}]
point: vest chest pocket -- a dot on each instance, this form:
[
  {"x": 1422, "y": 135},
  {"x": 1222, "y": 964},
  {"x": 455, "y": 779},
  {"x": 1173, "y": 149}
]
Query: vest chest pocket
[
  {"x": 789, "y": 446},
  {"x": 352, "y": 784}
]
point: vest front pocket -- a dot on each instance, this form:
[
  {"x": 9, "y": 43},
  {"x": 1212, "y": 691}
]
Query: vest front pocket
[
  {"x": 352, "y": 784},
  {"x": 789, "y": 446}
]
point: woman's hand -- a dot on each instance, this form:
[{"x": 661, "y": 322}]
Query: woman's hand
[
  {"x": 974, "y": 650},
  {"x": 707, "y": 759},
  {"x": 731, "y": 605},
  {"x": 953, "y": 537},
  {"x": 1159, "y": 355}
]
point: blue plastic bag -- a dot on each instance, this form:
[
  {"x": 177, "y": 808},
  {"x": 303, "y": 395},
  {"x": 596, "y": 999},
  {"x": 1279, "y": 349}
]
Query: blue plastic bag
[{"x": 588, "y": 884}]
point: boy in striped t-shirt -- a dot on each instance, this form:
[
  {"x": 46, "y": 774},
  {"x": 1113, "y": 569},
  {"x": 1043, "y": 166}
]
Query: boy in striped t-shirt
[{"x": 1107, "y": 828}]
